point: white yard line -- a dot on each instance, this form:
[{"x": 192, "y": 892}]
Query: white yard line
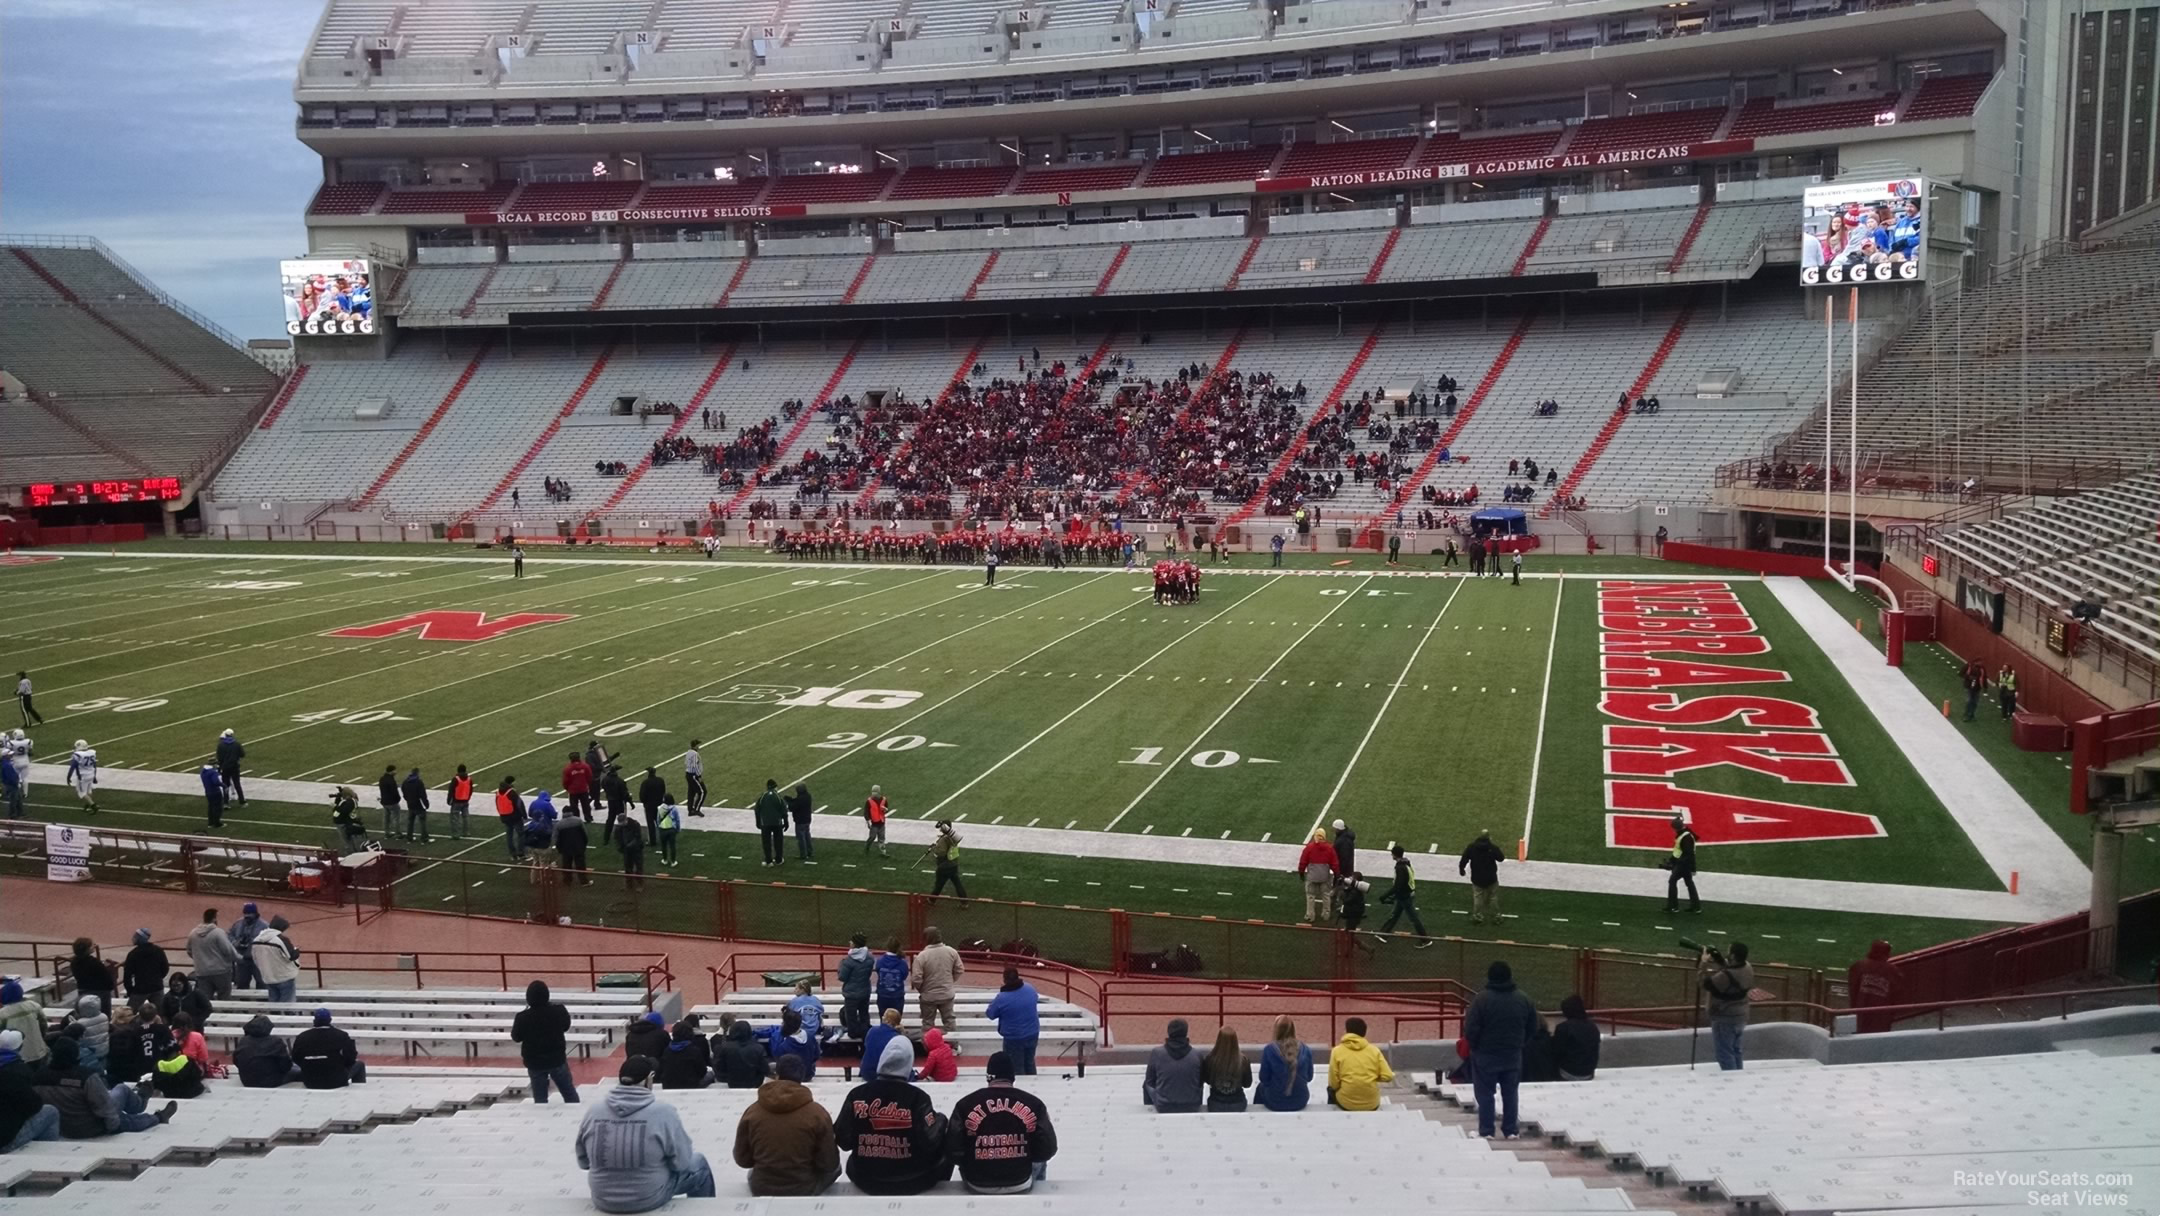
[
  {"x": 1394, "y": 688},
  {"x": 2008, "y": 833},
  {"x": 1105, "y": 691},
  {"x": 622, "y": 671},
  {"x": 1255, "y": 682},
  {"x": 1537, "y": 749},
  {"x": 638, "y": 606},
  {"x": 930, "y": 709}
]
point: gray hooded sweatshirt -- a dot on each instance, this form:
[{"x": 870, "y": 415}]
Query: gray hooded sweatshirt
[{"x": 632, "y": 1147}]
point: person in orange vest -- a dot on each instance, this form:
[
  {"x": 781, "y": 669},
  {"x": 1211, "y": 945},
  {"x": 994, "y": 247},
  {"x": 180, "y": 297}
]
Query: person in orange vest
[
  {"x": 510, "y": 809},
  {"x": 459, "y": 793},
  {"x": 875, "y": 810}
]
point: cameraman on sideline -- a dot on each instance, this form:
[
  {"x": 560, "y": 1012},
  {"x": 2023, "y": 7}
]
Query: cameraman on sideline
[{"x": 1728, "y": 980}]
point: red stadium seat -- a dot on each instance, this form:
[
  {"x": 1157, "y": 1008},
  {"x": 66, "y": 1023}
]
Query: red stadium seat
[
  {"x": 349, "y": 198},
  {"x": 1947, "y": 97},
  {"x": 1243, "y": 164},
  {"x": 1093, "y": 177},
  {"x": 1766, "y": 116},
  {"x": 981, "y": 181},
  {"x": 1646, "y": 131},
  {"x": 828, "y": 187},
  {"x": 418, "y": 202}
]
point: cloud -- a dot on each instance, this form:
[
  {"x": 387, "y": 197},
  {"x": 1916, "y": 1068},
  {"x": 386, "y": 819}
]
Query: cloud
[{"x": 165, "y": 130}]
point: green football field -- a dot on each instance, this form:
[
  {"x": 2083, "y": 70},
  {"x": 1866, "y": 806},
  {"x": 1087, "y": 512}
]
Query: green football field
[{"x": 1422, "y": 710}]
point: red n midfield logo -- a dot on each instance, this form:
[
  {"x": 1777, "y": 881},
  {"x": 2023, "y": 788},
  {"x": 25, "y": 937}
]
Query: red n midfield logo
[{"x": 450, "y": 626}]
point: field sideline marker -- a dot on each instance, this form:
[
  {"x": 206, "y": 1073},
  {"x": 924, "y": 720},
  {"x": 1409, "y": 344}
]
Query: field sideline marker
[{"x": 1537, "y": 749}]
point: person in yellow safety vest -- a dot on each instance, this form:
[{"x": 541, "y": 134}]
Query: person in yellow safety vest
[
  {"x": 1680, "y": 868},
  {"x": 2006, "y": 692},
  {"x": 946, "y": 848}
]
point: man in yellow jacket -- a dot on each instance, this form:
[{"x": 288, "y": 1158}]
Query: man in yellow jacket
[{"x": 1356, "y": 1070}]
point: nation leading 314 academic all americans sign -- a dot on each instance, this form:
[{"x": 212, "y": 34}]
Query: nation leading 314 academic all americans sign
[
  {"x": 1508, "y": 166},
  {"x": 1505, "y": 167}
]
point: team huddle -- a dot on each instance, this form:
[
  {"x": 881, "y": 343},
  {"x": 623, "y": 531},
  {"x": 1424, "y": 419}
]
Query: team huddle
[{"x": 1176, "y": 582}]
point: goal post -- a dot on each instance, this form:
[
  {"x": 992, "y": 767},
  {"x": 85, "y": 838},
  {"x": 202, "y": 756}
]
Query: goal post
[{"x": 1848, "y": 575}]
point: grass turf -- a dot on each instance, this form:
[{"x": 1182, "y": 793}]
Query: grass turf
[{"x": 1408, "y": 706}]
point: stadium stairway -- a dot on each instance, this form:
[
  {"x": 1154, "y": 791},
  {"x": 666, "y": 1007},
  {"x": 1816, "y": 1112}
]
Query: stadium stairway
[
  {"x": 734, "y": 280},
  {"x": 91, "y": 436},
  {"x": 607, "y": 287},
  {"x": 989, "y": 264},
  {"x": 1620, "y": 413},
  {"x": 1530, "y": 247},
  {"x": 434, "y": 419},
  {"x": 1217, "y": 368},
  {"x": 284, "y": 397},
  {"x": 810, "y": 411},
  {"x": 1327, "y": 408},
  {"x": 1379, "y": 262},
  {"x": 480, "y": 289},
  {"x": 1252, "y": 250},
  {"x": 1405, "y": 497},
  {"x": 1117, "y": 261},
  {"x": 690, "y": 409},
  {"x": 549, "y": 431},
  {"x": 861, "y": 273},
  {"x": 959, "y": 376},
  {"x": 1687, "y": 239}
]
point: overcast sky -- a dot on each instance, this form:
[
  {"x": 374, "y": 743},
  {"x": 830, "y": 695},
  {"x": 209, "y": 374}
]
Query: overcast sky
[{"x": 165, "y": 129}]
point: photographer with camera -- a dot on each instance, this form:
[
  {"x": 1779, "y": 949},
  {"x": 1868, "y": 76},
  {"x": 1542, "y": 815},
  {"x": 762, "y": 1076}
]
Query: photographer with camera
[{"x": 1729, "y": 981}]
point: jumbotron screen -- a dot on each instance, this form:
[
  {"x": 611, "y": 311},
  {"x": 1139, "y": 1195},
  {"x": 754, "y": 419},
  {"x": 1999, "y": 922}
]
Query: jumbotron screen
[
  {"x": 1864, "y": 232},
  {"x": 328, "y": 296}
]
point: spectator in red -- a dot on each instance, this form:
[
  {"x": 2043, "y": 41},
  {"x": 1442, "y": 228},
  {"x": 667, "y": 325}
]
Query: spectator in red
[
  {"x": 1871, "y": 982},
  {"x": 1316, "y": 867},
  {"x": 577, "y": 777}
]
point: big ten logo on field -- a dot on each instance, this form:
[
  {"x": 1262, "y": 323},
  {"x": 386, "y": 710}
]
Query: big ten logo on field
[
  {"x": 447, "y": 626},
  {"x": 1661, "y": 642},
  {"x": 787, "y": 696}
]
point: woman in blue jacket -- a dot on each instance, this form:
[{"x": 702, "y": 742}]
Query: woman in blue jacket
[
  {"x": 789, "y": 1039},
  {"x": 892, "y": 973},
  {"x": 1015, "y": 1010},
  {"x": 1285, "y": 1070}
]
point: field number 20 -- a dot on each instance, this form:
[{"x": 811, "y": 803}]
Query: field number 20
[{"x": 1216, "y": 758}]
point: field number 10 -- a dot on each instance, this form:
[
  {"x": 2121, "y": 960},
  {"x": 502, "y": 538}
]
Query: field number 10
[{"x": 1209, "y": 759}]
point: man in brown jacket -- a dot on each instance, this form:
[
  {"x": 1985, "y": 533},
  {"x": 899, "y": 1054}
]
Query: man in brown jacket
[
  {"x": 785, "y": 1139},
  {"x": 937, "y": 974}
]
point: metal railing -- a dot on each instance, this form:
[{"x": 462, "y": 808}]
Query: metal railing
[{"x": 509, "y": 970}]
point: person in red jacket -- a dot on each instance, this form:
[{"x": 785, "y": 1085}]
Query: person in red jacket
[
  {"x": 1316, "y": 867},
  {"x": 577, "y": 779},
  {"x": 939, "y": 1062},
  {"x": 1871, "y": 982}
]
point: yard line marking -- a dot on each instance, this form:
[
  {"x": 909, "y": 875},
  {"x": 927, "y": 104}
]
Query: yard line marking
[
  {"x": 552, "y": 692},
  {"x": 136, "y": 595},
  {"x": 901, "y": 728},
  {"x": 1374, "y": 725},
  {"x": 1537, "y": 749},
  {"x": 1234, "y": 703},
  {"x": 342, "y": 604},
  {"x": 478, "y": 675},
  {"x": 375, "y": 671},
  {"x": 1099, "y": 695}
]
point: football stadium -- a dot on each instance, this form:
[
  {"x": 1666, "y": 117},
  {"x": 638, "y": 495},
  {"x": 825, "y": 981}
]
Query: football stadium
[{"x": 1536, "y": 593}]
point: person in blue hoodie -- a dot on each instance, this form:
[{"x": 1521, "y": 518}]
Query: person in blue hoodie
[
  {"x": 790, "y": 1039},
  {"x": 540, "y": 819},
  {"x": 1286, "y": 1070},
  {"x": 874, "y": 1039},
  {"x": 892, "y": 973},
  {"x": 855, "y": 973},
  {"x": 213, "y": 788},
  {"x": 1015, "y": 1009}
]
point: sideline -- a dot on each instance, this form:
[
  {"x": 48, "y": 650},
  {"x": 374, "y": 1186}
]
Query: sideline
[
  {"x": 1015, "y": 571},
  {"x": 2006, "y": 830},
  {"x": 1942, "y": 903}
]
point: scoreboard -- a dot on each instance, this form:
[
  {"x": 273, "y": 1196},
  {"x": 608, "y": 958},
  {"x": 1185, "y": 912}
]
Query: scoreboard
[{"x": 145, "y": 489}]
